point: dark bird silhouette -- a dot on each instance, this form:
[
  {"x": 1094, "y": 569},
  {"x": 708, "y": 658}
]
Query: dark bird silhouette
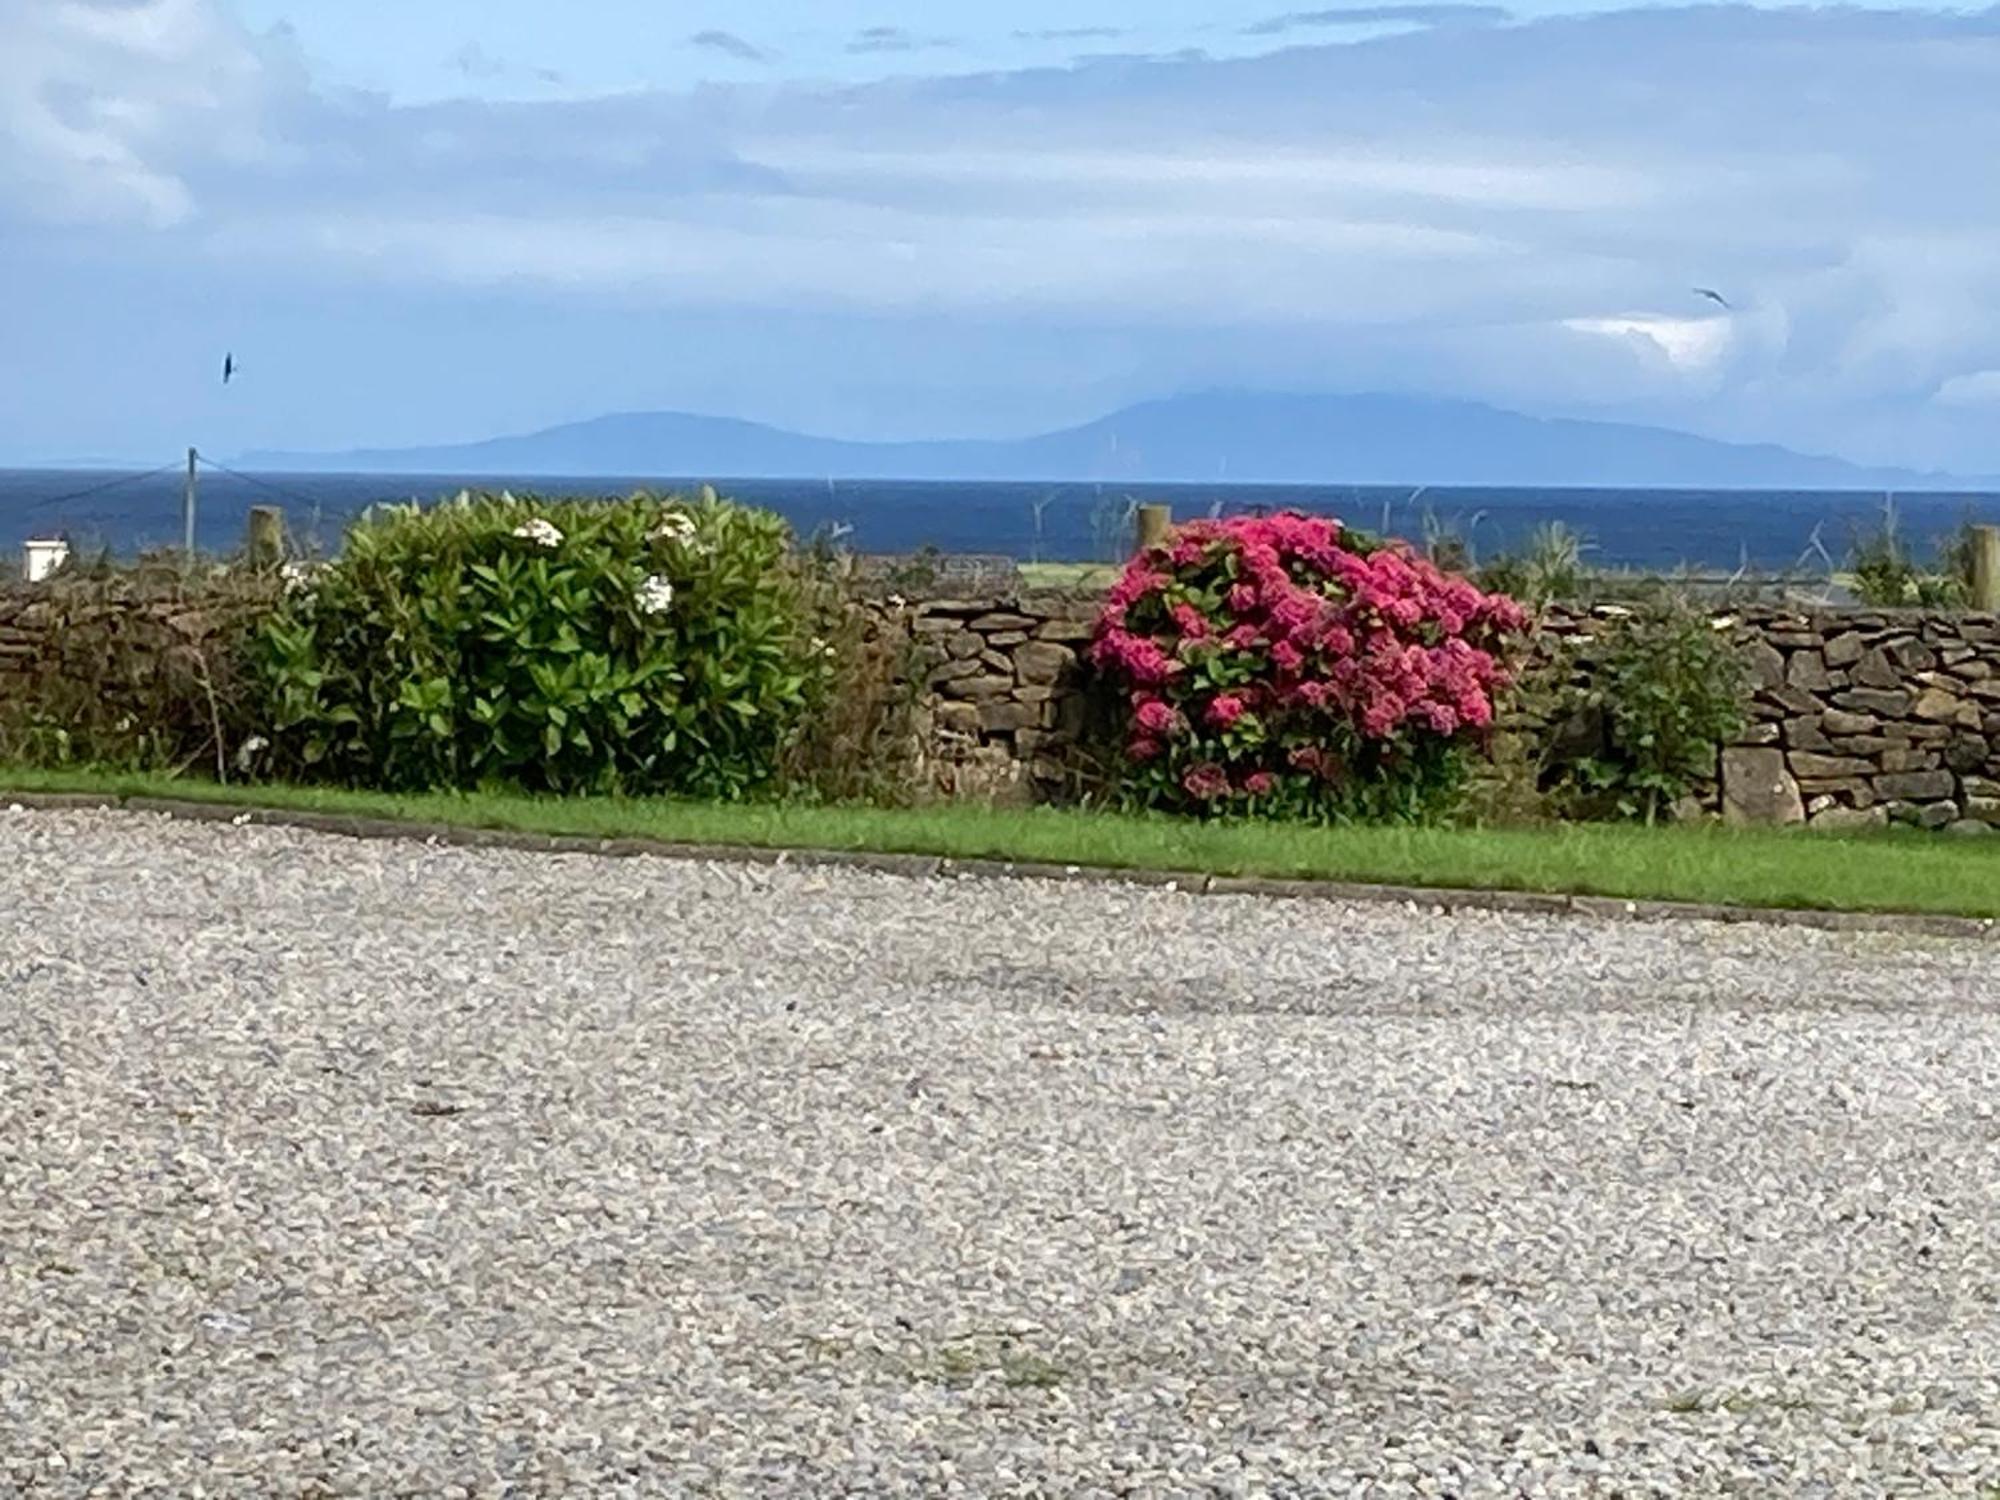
[
  {"x": 1714, "y": 296},
  {"x": 228, "y": 367}
]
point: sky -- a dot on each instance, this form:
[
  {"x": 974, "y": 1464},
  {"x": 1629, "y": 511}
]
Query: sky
[{"x": 882, "y": 219}]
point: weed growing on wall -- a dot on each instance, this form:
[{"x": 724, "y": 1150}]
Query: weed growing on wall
[
  {"x": 1664, "y": 687},
  {"x": 1888, "y": 572},
  {"x": 858, "y": 741}
]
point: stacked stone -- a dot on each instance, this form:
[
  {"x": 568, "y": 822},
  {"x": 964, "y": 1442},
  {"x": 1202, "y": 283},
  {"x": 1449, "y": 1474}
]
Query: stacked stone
[
  {"x": 21, "y": 632},
  {"x": 1002, "y": 696},
  {"x": 34, "y": 619},
  {"x": 1864, "y": 718},
  {"x": 1858, "y": 717}
]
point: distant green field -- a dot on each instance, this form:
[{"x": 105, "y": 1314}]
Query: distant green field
[
  {"x": 1900, "y": 871},
  {"x": 1068, "y": 575}
]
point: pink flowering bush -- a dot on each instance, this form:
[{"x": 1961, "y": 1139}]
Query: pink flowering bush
[{"x": 1284, "y": 665}]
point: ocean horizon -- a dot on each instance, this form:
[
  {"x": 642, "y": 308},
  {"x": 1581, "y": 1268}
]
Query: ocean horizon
[{"x": 1706, "y": 530}]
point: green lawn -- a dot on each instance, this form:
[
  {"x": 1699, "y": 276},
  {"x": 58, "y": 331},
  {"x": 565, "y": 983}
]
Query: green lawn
[
  {"x": 1069, "y": 575},
  {"x": 1889, "y": 871}
]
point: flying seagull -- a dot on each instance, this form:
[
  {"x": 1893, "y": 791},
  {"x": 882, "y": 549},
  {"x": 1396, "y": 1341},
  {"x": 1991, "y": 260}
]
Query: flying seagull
[
  {"x": 1713, "y": 295},
  {"x": 228, "y": 367}
]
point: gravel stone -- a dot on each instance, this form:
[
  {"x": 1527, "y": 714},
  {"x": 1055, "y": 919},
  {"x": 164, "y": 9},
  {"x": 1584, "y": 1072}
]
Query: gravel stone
[{"x": 332, "y": 1167}]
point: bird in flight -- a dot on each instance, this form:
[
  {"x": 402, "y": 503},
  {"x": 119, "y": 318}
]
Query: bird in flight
[
  {"x": 228, "y": 367},
  {"x": 1714, "y": 296}
]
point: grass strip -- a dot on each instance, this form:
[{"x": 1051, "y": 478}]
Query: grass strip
[{"x": 1886, "y": 871}]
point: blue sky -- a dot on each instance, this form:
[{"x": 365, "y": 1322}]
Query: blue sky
[{"x": 440, "y": 221}]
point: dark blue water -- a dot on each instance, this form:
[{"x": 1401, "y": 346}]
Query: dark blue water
[{"x": 1768, "y": 530}]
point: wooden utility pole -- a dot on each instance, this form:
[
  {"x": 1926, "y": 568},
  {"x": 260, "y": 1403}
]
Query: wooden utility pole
[
  {"x": 264, "y": 541},
  {"x": 1153, "y": 523},
  {"x": 187, "y": 505},
  {"x": 1986, "y": 568}
]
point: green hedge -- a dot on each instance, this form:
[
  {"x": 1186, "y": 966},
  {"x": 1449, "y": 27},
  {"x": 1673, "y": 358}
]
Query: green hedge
[{"x": 645, "y": 645}]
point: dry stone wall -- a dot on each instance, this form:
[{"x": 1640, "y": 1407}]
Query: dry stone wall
[
  {"x": 1868, "y": 718},
  {"x": 1858, "y": 717},
  {"x": 1002, "y": 706},
  {"x": 40, "y": 625},
  {"x": 21, "y": 639}
]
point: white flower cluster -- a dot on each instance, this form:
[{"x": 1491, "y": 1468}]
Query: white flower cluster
[
  {"x": 298, "y": 577},
  {"x": 675, "y": 526},
  {"x": 541, "y": 532},
  {"x": 656, "y": 596}
]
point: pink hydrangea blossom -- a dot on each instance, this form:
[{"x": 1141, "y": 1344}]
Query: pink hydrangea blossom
[
  {"x": 1139, "y": 657},
  {"x": 1377, "y": 644},
  {"x": 1259, "y": 783},
  {"x": 1136, "y": 582},
  {"x": 1206, "y": 781}
]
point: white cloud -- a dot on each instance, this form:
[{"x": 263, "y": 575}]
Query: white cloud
[
  {"x": 1685, "y": 343},
  {"x": 1516, "y": 211},
  {"x": 892, "y": 260},
  {"x": 1979, "y": 389},
  {"x": 1295, "y": 175},
  {"x": 106, "y": 104}
]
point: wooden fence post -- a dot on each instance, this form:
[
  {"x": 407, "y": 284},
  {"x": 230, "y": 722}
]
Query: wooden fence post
[
  {"x": 1986, "y": 568},
  {"x": 265, "y": 539},
  {"x": 1153, "y": 523}
]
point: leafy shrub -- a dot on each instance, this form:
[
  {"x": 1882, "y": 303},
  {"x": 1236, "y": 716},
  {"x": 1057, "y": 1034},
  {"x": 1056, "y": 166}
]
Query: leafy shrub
[
  {"x": 1548, "y": 569},
  {"x": 1660, "y": 691},
  {"x": 1888, "y": 574},
  {"x": 643, "y": 645},
  {"x": 1281, "y": 665},
  {"x": 919, "y": 571},
  {"x": 141, "y": 668},
  {"x": 1447, "y": 540}
]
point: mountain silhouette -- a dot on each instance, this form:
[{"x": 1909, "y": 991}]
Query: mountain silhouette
[{"x": 1245, "y": 437}]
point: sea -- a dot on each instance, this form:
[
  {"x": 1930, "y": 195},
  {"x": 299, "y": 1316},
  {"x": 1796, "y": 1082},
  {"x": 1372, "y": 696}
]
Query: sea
[{"x": 1708, "y": 531}]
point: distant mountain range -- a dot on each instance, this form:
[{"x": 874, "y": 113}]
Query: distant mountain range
[{"x": 1242, "y": 437}]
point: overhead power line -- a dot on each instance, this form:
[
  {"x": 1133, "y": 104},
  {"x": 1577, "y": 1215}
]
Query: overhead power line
[
  {"x": 264, "y": 484},
  {"x": 98, "y": 489}
]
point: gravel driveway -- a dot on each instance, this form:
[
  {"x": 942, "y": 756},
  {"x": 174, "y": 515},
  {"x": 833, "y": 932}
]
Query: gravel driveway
[{"x": 344, "y": 1168}]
